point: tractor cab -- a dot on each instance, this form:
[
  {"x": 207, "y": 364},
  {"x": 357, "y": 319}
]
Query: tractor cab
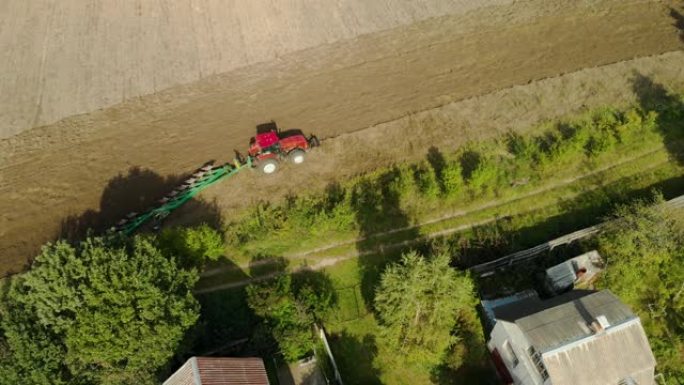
[
  {"x": 270, "y": 146},
  {"x": 266, "y": 142}
]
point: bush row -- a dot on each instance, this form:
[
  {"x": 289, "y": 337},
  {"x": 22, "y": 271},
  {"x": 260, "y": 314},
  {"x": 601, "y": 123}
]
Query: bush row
[{"x": 391, "y": 198}]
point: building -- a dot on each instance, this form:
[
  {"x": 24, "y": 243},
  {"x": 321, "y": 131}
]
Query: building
[
  {"x": 220, "y": 371},
  {"x": 581, "y": 337},
  {"x": 579, "y": 273}
]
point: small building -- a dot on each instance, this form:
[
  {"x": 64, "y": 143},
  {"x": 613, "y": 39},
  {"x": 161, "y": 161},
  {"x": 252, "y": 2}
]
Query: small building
[
  {"x": 220, "y": 371},
  {"x": 580, "y": 337},
  {"x": 578, "y": 272}
]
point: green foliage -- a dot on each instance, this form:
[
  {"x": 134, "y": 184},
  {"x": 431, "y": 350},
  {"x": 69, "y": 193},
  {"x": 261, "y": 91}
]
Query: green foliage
[
  {"x": 378, "y": 201},
  {"x": 418, "y": 304},
  {"x": 194, "y": 245},
  {"x": 104, "y": 312},
  {"x": 452, "y": 178},
  {"x": 644, "y": 249},
  {"x": 284, "y": 317},
  {"x": 485, "y": 177},
  {"x": 289, "y": 309},
  {"x": 427, "y": 182}
]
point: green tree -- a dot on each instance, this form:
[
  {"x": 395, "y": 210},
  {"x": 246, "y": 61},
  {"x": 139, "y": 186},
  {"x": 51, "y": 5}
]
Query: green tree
[
  {"x": 284, "y": 317},
  {"x": 193, "y": 245},
  {"x": 108, "y": 311},
  {"x": 289, "y": 307},
  {"x": 644, "y": 249},
  {"x": 418, "y": 304}
]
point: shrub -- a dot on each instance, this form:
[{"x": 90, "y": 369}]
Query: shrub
[
  {"x": 600, "y": 142},
  {"x": 194, "y": 245},
  {"x": 485, "y": 176},
  {"x": 427, "y": 182},
  {"x": 289, "y": 307},
  {"x": 452, "y": 179}
]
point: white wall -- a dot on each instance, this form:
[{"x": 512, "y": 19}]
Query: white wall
[{"x": 525, "y": 373}]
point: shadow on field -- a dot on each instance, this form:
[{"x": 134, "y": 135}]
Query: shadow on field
[
  {"x": 654, "y": 96},
  {"x": 135, "y": 191},
  {"x": 678, "y": 22}
]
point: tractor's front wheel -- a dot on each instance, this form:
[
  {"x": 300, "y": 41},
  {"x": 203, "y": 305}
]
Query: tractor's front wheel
[
  {"x": 296, "y": 156},
  {"x": 268, "y": 166}
]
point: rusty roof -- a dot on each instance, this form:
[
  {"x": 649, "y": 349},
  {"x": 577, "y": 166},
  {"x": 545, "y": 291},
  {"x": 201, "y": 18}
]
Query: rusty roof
[{"x": 220, "y": 371}]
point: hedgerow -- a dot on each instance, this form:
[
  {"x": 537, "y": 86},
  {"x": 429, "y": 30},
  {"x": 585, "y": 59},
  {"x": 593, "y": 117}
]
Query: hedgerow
[{"x": 400, "y": 195}]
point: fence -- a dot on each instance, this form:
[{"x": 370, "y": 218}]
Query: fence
[
  {"x": 324, "y": 339},
  {"x": 488, "y": 268}
]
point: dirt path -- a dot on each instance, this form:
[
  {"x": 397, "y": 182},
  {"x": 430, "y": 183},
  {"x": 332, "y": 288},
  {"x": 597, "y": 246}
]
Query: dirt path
[{"x": 50, "y": 173}]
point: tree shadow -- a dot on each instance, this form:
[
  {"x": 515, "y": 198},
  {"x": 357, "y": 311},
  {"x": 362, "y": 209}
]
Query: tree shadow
[
  {"x": 654, "y": 96},
  {"x": 481, "y": 373},
  {"x": 678, "y": 22},
  {"x": 135, "y": 192},
  {"x": 436, "y": 160},
  {"x": 469, "y": 160},
  {"x": 377, "y": 207},
  {"x": 354, "y": 357},
  {"x": 267, "y": 265}
]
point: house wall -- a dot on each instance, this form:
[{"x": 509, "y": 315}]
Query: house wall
[{"x": 524, "y": 373}]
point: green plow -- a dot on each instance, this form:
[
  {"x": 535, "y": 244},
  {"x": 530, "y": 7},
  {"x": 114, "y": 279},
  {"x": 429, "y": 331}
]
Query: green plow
[{"x": 198, "y": 181}]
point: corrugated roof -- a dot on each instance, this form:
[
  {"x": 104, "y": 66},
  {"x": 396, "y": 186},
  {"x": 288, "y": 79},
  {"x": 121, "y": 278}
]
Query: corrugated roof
[
  {"x": 605, "y": 358},
  {"x": 565, "y": 323},
  {"x": 220, "y": 371},
  {"x": 574, "y": 354},
  {"x": 561, "y": 276}
]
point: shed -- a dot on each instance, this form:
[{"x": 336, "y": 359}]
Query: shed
[{"x": 220, "y": 371}]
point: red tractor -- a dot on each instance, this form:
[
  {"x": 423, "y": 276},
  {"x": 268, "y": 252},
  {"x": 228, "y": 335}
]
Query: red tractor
[{"x": 271, "y": 145}]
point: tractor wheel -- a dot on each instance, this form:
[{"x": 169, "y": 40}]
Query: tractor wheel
[
  {"x": 268, "y": 166},
  {"x": 296, "y": 156}
]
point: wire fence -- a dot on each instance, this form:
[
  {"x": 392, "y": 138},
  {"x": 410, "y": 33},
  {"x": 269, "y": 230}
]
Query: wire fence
[{"x": 488, "y": 268}]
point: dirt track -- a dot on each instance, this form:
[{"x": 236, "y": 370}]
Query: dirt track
[{"x": 49, "y": 173}]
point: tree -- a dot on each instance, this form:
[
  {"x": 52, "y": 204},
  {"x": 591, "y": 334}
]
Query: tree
[
  {"x": 644, "y": 249},
  {"x": 289, "y": 308},
  {"x": 108, "y": 311},
  {"x": 193, "y": 245},
  {"x": 418, "y": 304},
  {"x": 284, "y": 317}
]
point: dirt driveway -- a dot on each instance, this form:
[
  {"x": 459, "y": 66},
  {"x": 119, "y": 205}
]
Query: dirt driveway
[{"x": 50, "y": 173}]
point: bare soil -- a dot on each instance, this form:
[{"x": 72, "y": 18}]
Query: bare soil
[{"x": 343, "y": 92}]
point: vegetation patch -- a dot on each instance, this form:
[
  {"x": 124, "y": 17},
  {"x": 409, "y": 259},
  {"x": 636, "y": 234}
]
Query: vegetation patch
[{"x": 503, "y": 169}]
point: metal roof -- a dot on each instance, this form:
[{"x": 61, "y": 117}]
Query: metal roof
[
  {"x": 220, "y": 371},
  {"x": 561, "y": 276},
  {"x": 606, "y": 358},
  {"x": 572, "y": 352},
  {"x": 568, "y": 322}
]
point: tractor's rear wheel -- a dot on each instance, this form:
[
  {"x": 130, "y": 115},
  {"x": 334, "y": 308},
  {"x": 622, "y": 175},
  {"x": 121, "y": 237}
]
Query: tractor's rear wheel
[
  {"x": 268, "y": 166},
  {"x": 297, "y": 156}
]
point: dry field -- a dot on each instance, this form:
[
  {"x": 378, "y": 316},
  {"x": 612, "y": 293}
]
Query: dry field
[{"x": 491, "y": 69}]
